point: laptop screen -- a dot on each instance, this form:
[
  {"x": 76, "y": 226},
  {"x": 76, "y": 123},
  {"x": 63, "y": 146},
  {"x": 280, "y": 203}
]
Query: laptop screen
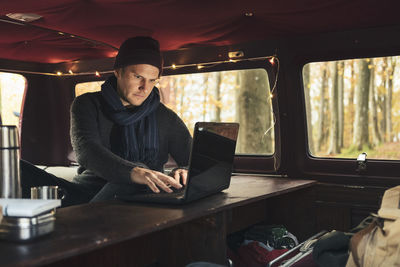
[{"x": 213, "y": 151}]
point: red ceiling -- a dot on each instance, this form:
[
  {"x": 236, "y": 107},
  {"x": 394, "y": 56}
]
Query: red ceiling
[{"x": 175, "y": 23}]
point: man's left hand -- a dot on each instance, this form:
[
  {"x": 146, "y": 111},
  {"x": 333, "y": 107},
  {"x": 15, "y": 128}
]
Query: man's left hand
[{"x": 179, "y": 175}]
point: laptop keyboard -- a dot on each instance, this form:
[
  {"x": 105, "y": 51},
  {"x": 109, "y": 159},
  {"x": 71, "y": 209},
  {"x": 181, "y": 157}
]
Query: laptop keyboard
[{"x": 175, "y": 194}]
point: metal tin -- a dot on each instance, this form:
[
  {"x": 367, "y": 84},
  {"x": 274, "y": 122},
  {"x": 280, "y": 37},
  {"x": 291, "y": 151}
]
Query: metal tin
[
  {"x": 47, "y": 192},
  {"x": 27, "y": 228}
]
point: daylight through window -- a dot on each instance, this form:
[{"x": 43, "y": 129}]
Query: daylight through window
[
  {"x": 12, "y": 90},
  {"x": 353, "y": 106}
]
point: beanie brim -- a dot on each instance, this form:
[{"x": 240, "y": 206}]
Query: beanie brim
[{"x": 140, "y": 56}]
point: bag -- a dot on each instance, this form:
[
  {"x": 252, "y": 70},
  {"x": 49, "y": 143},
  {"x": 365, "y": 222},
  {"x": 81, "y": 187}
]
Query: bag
[
  {"x": 332, "y": 249},
  {"x": 276, "y": 236},
  {"x": 379, "y": 243}
]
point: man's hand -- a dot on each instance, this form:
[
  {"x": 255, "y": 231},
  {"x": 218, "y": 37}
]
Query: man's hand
[
  {"x": 154, "y": 179},
  {"x": 180, "y": 174}
]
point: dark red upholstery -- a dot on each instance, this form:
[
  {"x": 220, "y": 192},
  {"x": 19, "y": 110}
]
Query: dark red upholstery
[{"x": 176, "y": 23}]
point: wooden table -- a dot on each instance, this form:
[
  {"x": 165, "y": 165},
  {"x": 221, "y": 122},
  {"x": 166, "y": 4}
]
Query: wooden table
[{"x": 127, "y": 234}]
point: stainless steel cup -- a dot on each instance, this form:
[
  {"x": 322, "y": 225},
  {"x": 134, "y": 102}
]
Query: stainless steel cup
[
  {"x": 47, "y": 192},
  {"x": 10, "y": 183}
]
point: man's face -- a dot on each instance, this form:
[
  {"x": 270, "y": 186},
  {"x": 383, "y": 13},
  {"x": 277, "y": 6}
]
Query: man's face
[{"x": 135, "y": 83}]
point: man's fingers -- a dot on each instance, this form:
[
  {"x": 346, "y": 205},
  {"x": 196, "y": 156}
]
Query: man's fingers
[
  {"x": 152, "y": 185},
  {"x": 154, "y": 180},
  {"x": 184, "y": 176},
  {"x": 177, "y": 176},
  {"x": 162, "y": 184},
  {"x": 170, "y": 180},
  {"x": 181, "y": 174}
]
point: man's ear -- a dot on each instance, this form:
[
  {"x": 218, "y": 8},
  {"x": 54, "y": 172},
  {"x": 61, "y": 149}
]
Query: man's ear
[{"x": 117, "y": 72}]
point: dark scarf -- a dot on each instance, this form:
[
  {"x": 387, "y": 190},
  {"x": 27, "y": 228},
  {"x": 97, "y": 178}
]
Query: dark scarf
[{"x": 136, "y": 136}]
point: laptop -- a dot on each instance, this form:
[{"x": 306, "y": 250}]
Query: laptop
[{"x": 210, "y": 165}]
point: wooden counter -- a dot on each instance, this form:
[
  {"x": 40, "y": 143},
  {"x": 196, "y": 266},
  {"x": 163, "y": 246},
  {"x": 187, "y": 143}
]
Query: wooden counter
[{"x": 130, "y": 234}]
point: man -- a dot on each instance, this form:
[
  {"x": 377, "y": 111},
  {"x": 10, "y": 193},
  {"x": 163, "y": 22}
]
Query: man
[{"x": 123, "y": 135}]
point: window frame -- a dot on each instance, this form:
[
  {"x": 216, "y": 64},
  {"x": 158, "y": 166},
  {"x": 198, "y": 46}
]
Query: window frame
[{"x": 338, "y": 170}]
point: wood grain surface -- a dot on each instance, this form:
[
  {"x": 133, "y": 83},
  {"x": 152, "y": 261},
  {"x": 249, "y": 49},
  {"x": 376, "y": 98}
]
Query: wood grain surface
[{"x": 86, "y": 228}]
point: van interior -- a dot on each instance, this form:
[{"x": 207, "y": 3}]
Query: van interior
[{"x": 314, "y": 85}]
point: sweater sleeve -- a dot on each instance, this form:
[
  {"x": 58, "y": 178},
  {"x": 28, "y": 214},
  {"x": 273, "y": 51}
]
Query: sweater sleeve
[
  {"x": 180, "y": 141},
  {"x": 86, "y": 142}
]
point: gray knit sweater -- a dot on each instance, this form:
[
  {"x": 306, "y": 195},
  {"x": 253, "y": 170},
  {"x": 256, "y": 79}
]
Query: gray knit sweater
[{"x": 90, "y": 137}]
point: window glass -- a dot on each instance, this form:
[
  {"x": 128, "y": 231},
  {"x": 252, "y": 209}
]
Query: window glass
[
  {"x": 353, "y": 106},
  {"x": 230, "y": 96},
  {"x": 82, "y": 88},
  {"x": 12, "y": 90}
]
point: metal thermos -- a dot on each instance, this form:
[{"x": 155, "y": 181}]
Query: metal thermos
[{"x": 10, "y": 183}]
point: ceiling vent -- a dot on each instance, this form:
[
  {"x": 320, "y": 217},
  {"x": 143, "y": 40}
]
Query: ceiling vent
[{"x": 24, "y": 17}]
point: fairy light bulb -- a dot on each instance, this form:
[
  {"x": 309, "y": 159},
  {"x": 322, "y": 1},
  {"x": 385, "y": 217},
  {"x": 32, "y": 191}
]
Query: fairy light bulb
[
  {"x": 272, "y": 60},
  {"x": 59, "y": 73},
  {"x": 70, "y": 72},
  {"x": 173, "y": 66},
  {"x": 97, "y": 74}
]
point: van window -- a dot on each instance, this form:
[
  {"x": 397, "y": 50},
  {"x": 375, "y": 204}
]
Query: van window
[
  {"x": 353, "y": 106},
  {"x": 88, "y": 87},
  {"x": 230, "y": 96},
  {"x": 12, "y": 90}
]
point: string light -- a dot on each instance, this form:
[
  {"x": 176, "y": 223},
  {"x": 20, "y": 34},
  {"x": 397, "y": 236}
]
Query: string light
[
  {"x": 58, "y": 73},
  {"x": 272, "y": 125},
  {"x": 276, "y": 59},
  {"x": 272, "y": 61},
  {"x": 199, "y": 66}
]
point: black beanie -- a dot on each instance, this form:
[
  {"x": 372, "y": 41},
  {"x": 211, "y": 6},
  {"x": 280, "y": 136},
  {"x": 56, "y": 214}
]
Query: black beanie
[{"x": 139, "y": 50}]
